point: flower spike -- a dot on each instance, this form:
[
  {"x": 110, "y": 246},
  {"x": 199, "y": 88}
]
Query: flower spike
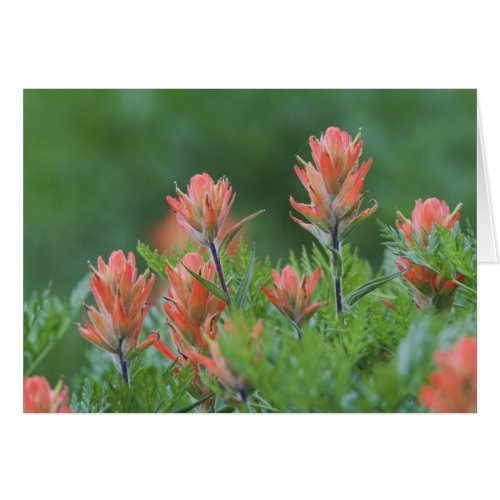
[
  {"x": 292, "y": 296},
  {"x": 122, "y": 306},
  {"x": 334, "y": 183},
  {"x": 192, "y": 311},
  {"x": 429, "y": 287}
]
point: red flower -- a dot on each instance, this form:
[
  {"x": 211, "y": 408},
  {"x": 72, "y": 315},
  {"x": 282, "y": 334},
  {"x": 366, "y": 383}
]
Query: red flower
[
  {"x": 40, "y": 398},
  {"x": 334, "y": 186},
  {"x": 452, "y": 387},
  {"x": 219, "y": 366},
  {"x": 429, "y": 287},
  {"x": 425, "y": 215},
  {"x": 121, "y": 299},
  {"x": 190, "y": 307},
  {"x": 203, "y": 210},
  {"x": 293, "y": 296}
]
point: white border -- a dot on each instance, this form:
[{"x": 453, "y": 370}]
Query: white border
[{"x": 259, "y": 44}]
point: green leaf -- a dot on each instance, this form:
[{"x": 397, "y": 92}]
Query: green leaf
[
  {"x": 192, "y": 406},
  {"x": 46, "y": 320},
  {"x": 245, "y": 282},
  {"x": 213, "y": 289},
  {"x": 233, "y": 231},
  {"x": 155, "y": 261},
  {"x": 366, "y": 288}
]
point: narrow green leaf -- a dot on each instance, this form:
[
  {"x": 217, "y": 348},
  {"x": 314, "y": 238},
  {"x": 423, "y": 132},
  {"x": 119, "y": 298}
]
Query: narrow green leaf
[
  {"x": 245, "y": 282},
  {"x": 192, "y": 406},
  {"x": 226, "y": 409},
  {"x": 213, "y": 289},
  {"x": 231, "y": 233},
  {"x": 366, "y": 288}
]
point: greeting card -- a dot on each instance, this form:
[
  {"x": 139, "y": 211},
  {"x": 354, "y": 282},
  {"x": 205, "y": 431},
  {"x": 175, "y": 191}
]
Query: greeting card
[{"x": 252, "y": 250}]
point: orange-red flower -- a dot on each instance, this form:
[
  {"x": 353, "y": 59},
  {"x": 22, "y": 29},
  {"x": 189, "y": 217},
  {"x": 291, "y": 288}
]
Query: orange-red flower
[
  {"x": 334, "y": 186},
  {"x": 191, "y": 309},
  {"x": 204, "y": 208},
  {"x": 219, "y": 366},
  {"x": 292, "y": 296},
  {"x": 40, "y": 398},
  {"x": 452, "y": 387},
  {"x": 429, "y": 286},
  {"x": 169, "y": 234},
  {"x": 122, "y": 306},
  {"x": 425, "y": 215}
]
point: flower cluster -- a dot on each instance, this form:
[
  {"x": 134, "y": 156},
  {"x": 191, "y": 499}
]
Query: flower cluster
[
  {"x": 192, "y": 311},
  {"x": 293, "y": 296},
  {"x": 122, "y": 306},
  {"x": 430, "y": 288},
  {"x": 40, "y": 398},
  {"x": 334, "y": 184},
  {"x": 204, "y": 208},
  {"x": 452, "y": 387}
]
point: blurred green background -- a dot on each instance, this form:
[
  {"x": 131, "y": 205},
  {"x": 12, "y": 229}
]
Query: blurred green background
[{"x": 99, "y": 163}]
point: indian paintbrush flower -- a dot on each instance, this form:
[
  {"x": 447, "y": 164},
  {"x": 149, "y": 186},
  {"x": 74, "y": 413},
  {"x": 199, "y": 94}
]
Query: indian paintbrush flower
[
  {"x": 190, "y": 307},
  {"x": 203, "y": 210},
  {"x": 334, "y": 184},
  {"x": 430, "y": 288},
  {"x": 122, "y": 306},
  {"x": 452, "y": 388},
  {"x": 292, "y": 296},
  {"x": 40, "y": 398}
]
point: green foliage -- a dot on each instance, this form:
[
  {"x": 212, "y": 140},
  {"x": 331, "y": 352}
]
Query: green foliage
[
  {"x": 242, "y": 292},
  {"x": 46, "y": 319},
  {"x": 375, "y": 361},
  {"x": 157, "y": 261},
  {"x": 152, "y": 389},
  {"x": 374, "y": 358},
  {"x": 292, "y": 376}
]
